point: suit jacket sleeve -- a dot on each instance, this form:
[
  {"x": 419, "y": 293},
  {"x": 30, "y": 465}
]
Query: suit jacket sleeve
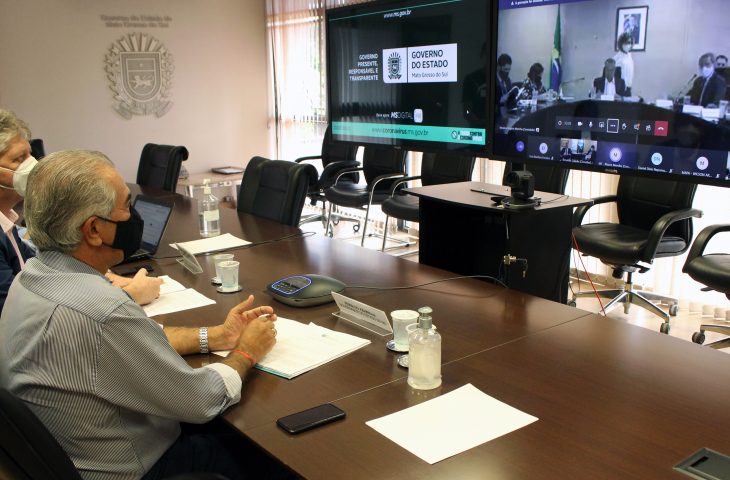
[{"x": 9, "y": 262}]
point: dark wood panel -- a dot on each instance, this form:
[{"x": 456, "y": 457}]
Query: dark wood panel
[
  {"x": 613, "y": 401},
  {"x": 461, "y": 194},
  {"x": 473, "y": 315}
]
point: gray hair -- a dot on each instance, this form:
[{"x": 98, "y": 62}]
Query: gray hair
[
  {"x": 10, "y": 127},
  {"x": 709, "y": 56},
  {"x": 65, "y": 189}
]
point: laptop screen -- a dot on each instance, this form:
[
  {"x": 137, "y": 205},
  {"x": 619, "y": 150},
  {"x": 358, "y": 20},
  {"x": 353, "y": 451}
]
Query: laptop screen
[{"x": 155, "y": 214}]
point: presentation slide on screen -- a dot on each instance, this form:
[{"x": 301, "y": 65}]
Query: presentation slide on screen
[{"x": 401, "y": 73}]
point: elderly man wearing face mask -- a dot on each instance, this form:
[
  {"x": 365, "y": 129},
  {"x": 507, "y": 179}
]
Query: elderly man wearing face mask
[
  {"x": 87, "y": 360},
  {"x": 709, "y": 88},
  {"x": 16, "y": 163}
]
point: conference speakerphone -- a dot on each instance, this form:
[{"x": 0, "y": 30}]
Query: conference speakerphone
[{"x": 305, "y": 290}]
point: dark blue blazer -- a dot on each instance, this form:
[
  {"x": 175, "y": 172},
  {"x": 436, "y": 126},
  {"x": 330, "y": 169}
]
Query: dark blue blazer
[{"x": 9, "y": 262}]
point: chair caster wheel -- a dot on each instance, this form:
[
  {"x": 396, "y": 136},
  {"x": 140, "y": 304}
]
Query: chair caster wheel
[
  {"x": 673, "y": 309},
  {"x": 664, "y": 328},
  {"x": 572, "y": 303},
  {"x": 698, "y": 337}
]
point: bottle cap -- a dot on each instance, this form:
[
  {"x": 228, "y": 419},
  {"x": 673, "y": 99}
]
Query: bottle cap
[{"x": 424, "y": 319}]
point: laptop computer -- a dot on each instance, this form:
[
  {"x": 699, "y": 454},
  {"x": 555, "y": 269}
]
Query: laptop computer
[{"x": 156, "y": 213}]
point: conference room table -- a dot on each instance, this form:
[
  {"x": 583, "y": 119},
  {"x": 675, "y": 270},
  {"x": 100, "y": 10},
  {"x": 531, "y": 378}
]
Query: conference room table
[{"x": 613, "y": 400}]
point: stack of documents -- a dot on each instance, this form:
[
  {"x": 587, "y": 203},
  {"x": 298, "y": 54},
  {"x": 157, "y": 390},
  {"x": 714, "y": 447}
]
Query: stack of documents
[
  {"x": 300, "y": 348},
  {"x": 212, "y": 244},
  {"x": 174, "y": 297}
]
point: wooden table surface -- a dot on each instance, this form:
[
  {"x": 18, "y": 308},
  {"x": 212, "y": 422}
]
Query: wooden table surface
[{"x": 613, "y": 400}]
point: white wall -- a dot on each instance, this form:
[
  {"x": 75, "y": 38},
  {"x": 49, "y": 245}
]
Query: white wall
[{"x": 53, "y": 76}]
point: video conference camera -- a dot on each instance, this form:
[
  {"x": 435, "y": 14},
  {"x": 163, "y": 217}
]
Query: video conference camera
[{"x": 522, "y": 184}]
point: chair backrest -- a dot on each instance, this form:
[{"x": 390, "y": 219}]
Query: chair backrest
[
  {"x": 37, "y": 149},
  {"x": 27, "y": 448},
  {"x": 159, "y": 166},
  {"x": 336, "y": 152},
  {"x": 275, "y": 189},
  {"x": 548, "y": 177},
  {"x": 377, "y": 160},
  {"x": 641, "y": 201},
  {"x": 439, "y": 168}
]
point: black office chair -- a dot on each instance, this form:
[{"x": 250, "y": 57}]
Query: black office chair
[
  {"x": 37, "y": 149},
  {"x": 436, "y": 168},
  {"x": 655, "y": 221},
  {"x": 276, "y": 189},
  {"x": 712, "y": 270},
  {"x": 334, "y": 158},
  {"x": 159, "y": 166},
  {"x": 380, "y": 165},
  {"x": 548, "y": 177},
  {"x": 28, "y": 451}
]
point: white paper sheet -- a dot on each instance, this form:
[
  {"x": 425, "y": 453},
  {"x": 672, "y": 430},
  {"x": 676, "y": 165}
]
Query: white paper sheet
[
  {"x": 177, "y": 302},
  {"x": 169, "y": 285},
  {"x": 450, "y": 424},
  {"x": 213, "y": 244},
  {"x": 300, "y": 348}
]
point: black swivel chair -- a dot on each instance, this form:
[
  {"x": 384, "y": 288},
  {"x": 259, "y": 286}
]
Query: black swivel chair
[
  {"x": 655, "y": 221},
  {"x": 435, "y": 169},
  {"x": 28, "y": 451},
  {"x": 713, "y": 270},
  {"x": 548, "y": 177},
  {"x": 37, "y": 149},
  {"x": 380, "y": 166},
  {"x": 335, "y": 157},
  {"x": 159, "y": 166},
  {"x": 275, "y": 189}
]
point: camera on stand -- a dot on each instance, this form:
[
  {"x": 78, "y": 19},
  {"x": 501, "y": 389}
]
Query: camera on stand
[{"x": 522, "y": 189}]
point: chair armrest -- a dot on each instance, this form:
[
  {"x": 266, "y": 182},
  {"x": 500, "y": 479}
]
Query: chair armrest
[
  {"x": 345, "y": 172},
  {"x": 660, "y": 227},
  {"x": 401, "y": 182},
  {"x": 335, "y": 167},
  {"x": 386, "y": 176},
  {"x": 581, "y": 211},
  {"x": 698, "y": 246},
  {"x": 312, "y": 157}
]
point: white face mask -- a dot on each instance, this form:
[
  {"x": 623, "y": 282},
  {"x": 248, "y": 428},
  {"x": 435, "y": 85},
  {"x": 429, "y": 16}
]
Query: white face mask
[
  {"x": 20, "y": 176},
  {"x": 707, "y": 71}
]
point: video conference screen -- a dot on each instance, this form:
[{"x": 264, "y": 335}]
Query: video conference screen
[
  {"x": 615, "y": 86},
  {"x": 410, "y": 73}
]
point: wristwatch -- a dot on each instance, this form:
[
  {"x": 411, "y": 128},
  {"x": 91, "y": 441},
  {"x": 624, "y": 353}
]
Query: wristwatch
[{"x": 203, "y": 339}]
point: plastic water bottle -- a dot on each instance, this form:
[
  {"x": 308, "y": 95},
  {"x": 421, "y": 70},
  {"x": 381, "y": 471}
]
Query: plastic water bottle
[
  {"x": 209, "y": 217},
  {"x": 424, "y": 352}
]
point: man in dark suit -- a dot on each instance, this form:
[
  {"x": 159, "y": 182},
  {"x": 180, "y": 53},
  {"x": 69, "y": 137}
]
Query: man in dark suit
[
  {"x": 709, "y": 88},
  {"x": 15, "y": 164},
  {"x": 609, "y": 83},
  {"x": 506, "y": 92}
]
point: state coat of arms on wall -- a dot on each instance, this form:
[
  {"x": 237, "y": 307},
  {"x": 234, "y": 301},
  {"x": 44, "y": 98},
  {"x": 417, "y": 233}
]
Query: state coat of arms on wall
[{"x": 139, "y": 69}]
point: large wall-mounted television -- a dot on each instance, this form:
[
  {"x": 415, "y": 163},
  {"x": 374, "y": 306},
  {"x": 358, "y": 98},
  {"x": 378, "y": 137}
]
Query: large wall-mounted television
[
  {"x": 411, "y": 74},
  {"x": 614, "y": 86}
]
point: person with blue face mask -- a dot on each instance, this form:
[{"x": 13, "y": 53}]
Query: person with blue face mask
[
  {"x": 709, "y": 87},
  {"x": 16, "y": 163}
]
